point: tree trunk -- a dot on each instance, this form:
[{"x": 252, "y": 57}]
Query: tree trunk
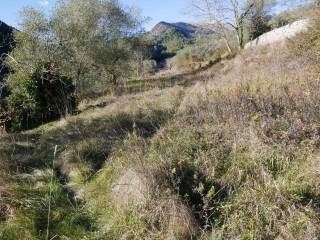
[
  {"x": 240, "y": 29},
  {"x": 228, "y": 46},
  {"x": 225, "y": 39},
  {"x": 114, "y": 80}
]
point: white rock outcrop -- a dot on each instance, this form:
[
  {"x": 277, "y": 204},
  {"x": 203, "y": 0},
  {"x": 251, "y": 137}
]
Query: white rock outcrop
[{"x": 280, "y": 34}]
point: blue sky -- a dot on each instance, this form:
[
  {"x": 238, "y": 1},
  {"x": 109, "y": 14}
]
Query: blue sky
[
  {"x": 162, "y": 10},
  {"x": 158, "y": 10},
  {"x": 9, "y": 11}
]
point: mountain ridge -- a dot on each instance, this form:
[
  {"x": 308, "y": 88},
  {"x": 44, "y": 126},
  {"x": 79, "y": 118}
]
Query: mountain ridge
[{"x": 188, "y": 30}]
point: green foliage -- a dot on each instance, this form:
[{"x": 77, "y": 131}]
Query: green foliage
[
  {"x": 39, "y": 98},
  {"x": 167, "y": 44},
  {"x": 91, "y": 40},
  {"x": 173, "y": 40},
  {"x": 205, "y": 52},
  {"x": 258, "y": 21},
  {"x": 66, "y": 219}
]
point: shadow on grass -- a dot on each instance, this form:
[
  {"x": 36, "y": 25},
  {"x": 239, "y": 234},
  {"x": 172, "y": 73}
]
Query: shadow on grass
[
  {"x": 94, "y": 140},
  {"x": 106, "y": 131}
]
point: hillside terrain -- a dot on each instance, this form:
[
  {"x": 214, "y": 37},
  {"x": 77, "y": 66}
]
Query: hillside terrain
[
  {"x": 186, "y": 29},
  {"x": 168, "y": 38},
  {"x": 233, "y": 155},
  {"x": 184, "y": 46},
  {"x": 108, "y": 132}
]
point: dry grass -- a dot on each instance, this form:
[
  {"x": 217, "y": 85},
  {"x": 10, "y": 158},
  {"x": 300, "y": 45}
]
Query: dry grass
[{"x": 240, "y": 155}]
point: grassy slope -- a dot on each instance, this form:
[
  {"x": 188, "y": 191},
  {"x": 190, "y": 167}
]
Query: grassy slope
[
  {"x": 84, "y": 143},
  {"x": 236, "y": 157}
]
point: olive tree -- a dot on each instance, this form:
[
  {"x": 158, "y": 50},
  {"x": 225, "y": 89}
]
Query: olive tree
[{"x": 88, "y": 40}]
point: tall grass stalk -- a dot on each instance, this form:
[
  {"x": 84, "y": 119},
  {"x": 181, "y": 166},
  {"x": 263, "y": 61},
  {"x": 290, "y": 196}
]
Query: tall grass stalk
[{"x": 50, "y": 192}]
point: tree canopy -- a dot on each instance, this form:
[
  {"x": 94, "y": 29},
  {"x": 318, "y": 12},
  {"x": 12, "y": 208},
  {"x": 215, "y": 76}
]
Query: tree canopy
[{"x": 88, "y": 41}]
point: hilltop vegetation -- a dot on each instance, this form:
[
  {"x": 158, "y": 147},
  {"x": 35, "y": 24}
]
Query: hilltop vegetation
[
  {"x": 230, "y": 151},
  {"x": 259, "y": 19},
  {"x": 166, "y": 39},
  {"x": 79, "y": 47}
]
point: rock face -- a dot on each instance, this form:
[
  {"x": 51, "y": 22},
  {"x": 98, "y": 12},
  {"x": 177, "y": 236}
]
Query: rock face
[{"x": 279, "y": 34}]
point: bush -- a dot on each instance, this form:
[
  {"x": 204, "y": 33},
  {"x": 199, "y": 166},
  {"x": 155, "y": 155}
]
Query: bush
[
  {"x": 174, "y": 41},
  {"x": 257, "y": 26},
  {"x": 195, "y": 57},
  {"x": 3, "y": 114},
  {"x": 40, "y": 97},
  {"x": 149, "y": 67}
]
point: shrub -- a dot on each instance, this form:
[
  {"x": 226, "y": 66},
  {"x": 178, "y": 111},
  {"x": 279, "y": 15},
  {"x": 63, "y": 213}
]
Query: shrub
[
  {"x": 199, "y": 56},
  {"x": 3, "y": 115},
  {"x": 39, "y": 97},
  {"x": 257, "y": 26},
  {"x": 173, "y": 40},
  {"x": 149, "y": 67}
]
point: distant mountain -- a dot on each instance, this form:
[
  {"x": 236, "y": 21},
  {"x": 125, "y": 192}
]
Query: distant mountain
[
  {"x": 169, "y": 38},
  {"x": 186, "y": 29}
]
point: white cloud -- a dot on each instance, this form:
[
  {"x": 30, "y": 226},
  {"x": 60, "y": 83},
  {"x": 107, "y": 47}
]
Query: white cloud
[{"x": 44, "y": 2}]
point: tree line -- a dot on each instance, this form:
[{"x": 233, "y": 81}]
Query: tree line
[{"x": 64, "y": 54}]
